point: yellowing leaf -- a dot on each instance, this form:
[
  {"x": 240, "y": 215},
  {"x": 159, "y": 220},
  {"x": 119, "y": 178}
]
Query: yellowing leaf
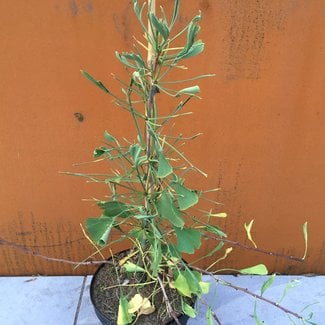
[
  {"x": 131, "y": 267},
  {"x": 205, "y": 286},
  {"x": 140, "y": 305},
  {"x": 124, "y": 317},
  {"x": 259, "y": 269},
  {"x": 218, "y": 215},
  {"x": 182, "y": 286},
  {"x": 305, "y": 231},
  {"x": 248, "y": 228},
  {"x": 127, "y": 257}
]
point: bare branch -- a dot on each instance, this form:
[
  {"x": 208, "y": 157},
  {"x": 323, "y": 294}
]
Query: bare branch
[
  {"x": 259, "y": 250},
  {"x": 245, "y": 290},
  {"x": 169, "y": 307},
  {"x": 29, "y": 251}
]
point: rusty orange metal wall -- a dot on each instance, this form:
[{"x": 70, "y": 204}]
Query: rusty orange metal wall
[{"x": 262, "y": 117}]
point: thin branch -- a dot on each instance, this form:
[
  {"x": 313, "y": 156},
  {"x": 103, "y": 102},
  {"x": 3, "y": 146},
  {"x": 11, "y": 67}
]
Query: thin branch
[
  {"x": 52, "y": 259},
  {"x": 169, "y": 307},
  {"x": 245, "y": 290},
  {"x": 259, "y": 250}
]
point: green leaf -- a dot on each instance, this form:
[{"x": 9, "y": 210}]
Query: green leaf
[
  {"x": 99, "y": 229},
  {"x": 124, "y": 317},
  {"x": 215, "y": 230},
  {"x": 115, "y": 209},
  {"x": 136, "y": 8},
  {"x": 137, "y": 58},
  {"x": 192, "y": 32},
  {"x": 94, "y": 81},
  {"x": 182, "y": 286},
  {"x": 193, "y": 279},
  {"x": 248, "y": 228},
  {"x": 135, "y": 151},
  {"x": 205, "y": 286},
  {"x": 209, "y": 316},
  {"x": 168, "y": 210},
  {"x": 100, "y": 151},
  {"x": 257, "y": 320},
  {"x": 156, "y": 251},
  {"x": 217, "y": 248},
  {"x": 188, "y": 240},
  {"x": 305, "y": 232},
  {"x": 259, "y": 269},
  {"x": 109, "y": 137},
  {"x": 186, "y": 198},
  {"x": 160, "y": 26},
  {"x": 164, "y": 168},
  {"x": 123, "y": 60},
  {"x": 156, "y": 259},
  {"x": 188, "y": 310},
  {"x": 195, "y": 49},
  {"x": 293, "y": 283},
  {"x": 138, "y": 12},
  {"x": 175, "y": 14},
  {"x": 173, "y": 251},
  {"x": 267, "y": 284},
  {"x": 188, "y": 91},
  {"x": 139, "y": 234},
  {"x": 131, "y": 267}
]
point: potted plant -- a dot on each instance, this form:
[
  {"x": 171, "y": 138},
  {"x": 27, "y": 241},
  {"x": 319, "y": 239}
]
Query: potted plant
[{"x": 150, "y": 205}]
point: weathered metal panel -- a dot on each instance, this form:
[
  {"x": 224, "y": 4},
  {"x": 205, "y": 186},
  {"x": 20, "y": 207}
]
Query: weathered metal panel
[{"x": 262, "y": 117}]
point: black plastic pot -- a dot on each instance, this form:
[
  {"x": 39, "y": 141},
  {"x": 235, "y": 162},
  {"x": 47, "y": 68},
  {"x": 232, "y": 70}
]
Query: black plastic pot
[{"x": 106, "y": 321}]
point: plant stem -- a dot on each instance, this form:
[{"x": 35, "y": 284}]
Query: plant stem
[
  {"x": 259, "y": 250},
  {"x": 52, "y": 259},
  {"x": 214, "y": 315},
  {"x": 150, "y": 105},
  {"x": 169, "y": 307}
]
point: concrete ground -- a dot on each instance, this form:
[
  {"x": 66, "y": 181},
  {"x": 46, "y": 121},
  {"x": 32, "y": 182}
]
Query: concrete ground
[{"x": 65, "y": 301}]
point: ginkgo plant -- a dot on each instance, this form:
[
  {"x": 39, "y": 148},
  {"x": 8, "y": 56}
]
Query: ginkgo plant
[{"x": 150, "y": 205}]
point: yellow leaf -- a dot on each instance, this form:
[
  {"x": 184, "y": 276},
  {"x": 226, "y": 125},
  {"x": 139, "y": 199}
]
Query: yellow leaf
[
  {"x": 140, "y": 305},
  {"x": 135, "y": 303},
  {"x": 126, "y": 258},
  {"x": 146, "y": 307},
  {"x": 248, "y": 228}
]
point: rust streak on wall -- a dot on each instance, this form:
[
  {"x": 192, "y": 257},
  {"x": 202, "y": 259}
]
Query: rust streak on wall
[{"x": 262, "y": 117}]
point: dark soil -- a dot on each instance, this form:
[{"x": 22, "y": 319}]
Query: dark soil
[{"x": 106, "y": 299}]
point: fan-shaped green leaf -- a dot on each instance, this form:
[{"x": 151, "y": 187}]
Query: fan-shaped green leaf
[
  {"x": 115, "y": 209},
  {"x": 188, "y": 240},
  {"x": 99, "y": 229},
  {"x": 164, "y": 168},
  {"x": 168, "y": 210},
  {"x": 186, "y": 198}
]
